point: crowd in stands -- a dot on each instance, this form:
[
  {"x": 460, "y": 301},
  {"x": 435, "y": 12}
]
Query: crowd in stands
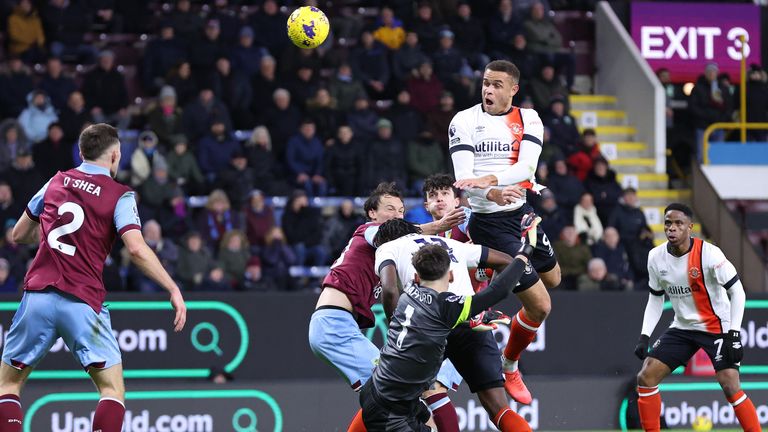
[{"x": 219, "y": 113}]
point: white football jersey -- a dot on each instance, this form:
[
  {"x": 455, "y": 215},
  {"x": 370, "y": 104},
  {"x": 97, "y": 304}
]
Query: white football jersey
[
  {"x": 482, "y": 144},
  {"x": 463, "y": 256},
  {"x": 696, "y": 284}
]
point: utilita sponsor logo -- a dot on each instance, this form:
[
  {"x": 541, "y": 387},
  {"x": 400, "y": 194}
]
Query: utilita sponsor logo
[
  {"x": 539, "y": 344},
  {"x": 141, "y": 422},
  {"x": 753, "y": 336},
  {"x": 720, "y": 413},
  {"x": 474, "y": 417}
]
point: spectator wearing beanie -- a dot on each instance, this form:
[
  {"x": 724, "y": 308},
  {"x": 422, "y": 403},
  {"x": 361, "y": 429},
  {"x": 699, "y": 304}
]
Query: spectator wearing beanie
[
  {"x": 165, "y": 119},
  {"x": 38, "y": 115}
]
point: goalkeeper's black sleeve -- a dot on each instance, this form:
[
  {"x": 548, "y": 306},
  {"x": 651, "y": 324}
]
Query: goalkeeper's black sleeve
[{"x": 498, "y": 290}]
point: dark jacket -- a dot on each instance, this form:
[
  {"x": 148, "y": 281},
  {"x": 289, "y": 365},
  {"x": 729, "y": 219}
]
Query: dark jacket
[
  {"x": 215, "y": 152},
  {"x": 303, "y": 226},
  {"x": 606, "y": 192},
  {"x": 105, "y": 89},
  {"x": 706, "y": 110}
]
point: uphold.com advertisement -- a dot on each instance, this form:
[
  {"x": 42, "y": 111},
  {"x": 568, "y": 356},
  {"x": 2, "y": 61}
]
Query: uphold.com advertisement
[
  {"x": 238, "y": 410},
  {"x": 216, "y": 334}
]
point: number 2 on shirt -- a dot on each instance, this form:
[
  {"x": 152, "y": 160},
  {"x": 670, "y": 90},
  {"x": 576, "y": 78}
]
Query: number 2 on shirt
[{"x": 77, "y": 222}]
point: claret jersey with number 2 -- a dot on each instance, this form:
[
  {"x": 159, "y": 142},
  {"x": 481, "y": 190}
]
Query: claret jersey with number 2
[{"x": 80, "y": 212}]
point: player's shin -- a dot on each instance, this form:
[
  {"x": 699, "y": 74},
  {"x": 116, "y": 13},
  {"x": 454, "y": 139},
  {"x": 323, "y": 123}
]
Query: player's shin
[
  {"x": 649, "y": 406},
  {"x": 521, "y": 333},
  {"x": 443, "y": 412},
  {"x": 109, "y": 415},
  {"x": 509, "y": 421},
  {"x": 357, "y": 425},
  {"x": 10, "y": 413},
  {"x": 745, "y": 412}
]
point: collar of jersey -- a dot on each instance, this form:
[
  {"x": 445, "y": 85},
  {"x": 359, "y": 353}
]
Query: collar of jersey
[
  {"x": 686, "y": 252},
  {"x": 89, "y": 168},
  {"x": 497, "y": 115}
]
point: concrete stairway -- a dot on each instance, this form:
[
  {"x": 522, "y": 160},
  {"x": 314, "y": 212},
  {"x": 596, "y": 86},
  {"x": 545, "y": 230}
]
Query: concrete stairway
[{"x": 633, "y": 161}]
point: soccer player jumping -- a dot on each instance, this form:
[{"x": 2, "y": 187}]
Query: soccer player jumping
[
  {"x": 698, "y": 279},
  {"x": 495, "y": 149},
  {"x": 78, "y": 215}
]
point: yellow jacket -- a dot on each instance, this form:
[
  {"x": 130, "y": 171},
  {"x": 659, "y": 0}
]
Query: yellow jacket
[
  {"x": 24, "y": 31},
  {"x": 392, "y": 37}
]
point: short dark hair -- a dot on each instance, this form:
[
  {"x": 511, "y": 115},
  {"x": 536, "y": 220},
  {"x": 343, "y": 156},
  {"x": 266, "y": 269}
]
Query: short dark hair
[
  {"x": 384, "y": 188},
  {"x": 681, "y": 208},
  {"x": 393, "y": 229},
  {"x": 431, "y": 262},
  {"x": 505, "y": 66},
  {"x": 437, "y": 182},
  {"x": 96, "y": 139}
]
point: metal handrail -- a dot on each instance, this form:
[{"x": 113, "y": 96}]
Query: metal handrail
[{"x": 730, "y": 126}]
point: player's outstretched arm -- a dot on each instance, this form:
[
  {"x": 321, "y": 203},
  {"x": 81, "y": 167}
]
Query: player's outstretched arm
[
  {"x": 390, "y": 291},
  {"x": 26, "y": 230},
  {"x": 502, "y": 284},
  {"x": 146, "y": 260},
  {"x": 653, "y": 310},
  {"x": 451, "y": 219}
]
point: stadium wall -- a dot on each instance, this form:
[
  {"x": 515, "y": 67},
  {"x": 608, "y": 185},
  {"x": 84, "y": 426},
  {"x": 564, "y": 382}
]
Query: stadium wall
[{"x": 618, "y": 62}]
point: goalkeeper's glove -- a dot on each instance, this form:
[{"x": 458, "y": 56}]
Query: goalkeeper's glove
[
  {"x": 641, "y": 349},
  {"x": 488, "y": 320},
  {"x": 733, "y": 350}
]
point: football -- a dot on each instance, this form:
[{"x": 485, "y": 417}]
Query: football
[
  {"x": 308, "y": 27},
  {"x": 702, "y": 423}
]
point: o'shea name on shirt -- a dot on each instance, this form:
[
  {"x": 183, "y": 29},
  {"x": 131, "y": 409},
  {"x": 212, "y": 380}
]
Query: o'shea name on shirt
[{"x": 82, "y": 185}]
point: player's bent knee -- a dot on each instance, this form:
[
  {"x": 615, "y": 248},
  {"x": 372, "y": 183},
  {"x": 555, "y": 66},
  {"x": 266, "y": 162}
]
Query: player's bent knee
[{"x": 551, "y": 278}]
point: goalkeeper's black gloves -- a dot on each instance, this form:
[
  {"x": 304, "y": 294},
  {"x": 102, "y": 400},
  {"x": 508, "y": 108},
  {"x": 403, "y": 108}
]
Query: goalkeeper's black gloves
[
  {"x": 641, "y": 349},
  {"x": 733, "y": 350}
]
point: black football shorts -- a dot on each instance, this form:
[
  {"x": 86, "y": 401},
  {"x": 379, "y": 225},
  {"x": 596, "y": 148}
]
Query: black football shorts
[{"x": 675, "y": 347}]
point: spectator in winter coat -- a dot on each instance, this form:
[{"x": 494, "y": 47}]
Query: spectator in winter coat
[
  {"x": 425, "y": 89},
  {"x": 254, "y": 279},
  {"x": 384, "y": 158},
  {"x": 166, "y": 119},
  {"x": 553, "y": 220},
  {"x": 246, "y": 57},
  {"x": 709, "y": 103},
  {"x": 277, "y": 258},
  {"x": 74, "y": 116},
  {"x": 302, "y": 225},
  {"x": 237, "y": 179},
  {"x": 259, "y": 219},
  {"x": 345, "y": 88},
  {"x": 448, "y": 61},
  {"x": 615, "y": 257},
  {"x": 25, "y": 32},
  {"x": 268, "y": 173},
  {"x": 24, "y": 177},
  {"x": 370, "y": 64},
  {"x": 406, "y": 60},
  {"x": 234, "y": 254},
  {"x": 215, "y": 150},
  {"x": 182, "y": 165},
  {"x": 234, "y": 89},
  {"x": 567, "y": 188},
  {"x": 573, "y": 255},
  {"x": 562, "y": 126},
  {"x": 56, "y": 85},
  {"x": 470, "y": 36},
  {"x": 144, "y": 158},
  {"x": 587, "y": 151},
  {"x": 12, "y": 140},
  {"x": 15, "y": 85},
  {"x": 340, "y": 227},
  {"x": 161, "y": 55},
  {"x": 425, "y": 157},
  {"x": 167, "y": 252},
  {"x": 502, "y": 28},
  {"x": 546, "y": 86},
  {"x": 217, "y": 219},
  {"x": 304, "y": 158},
  {"x": 198, "y": 115},
  {"x": 322, "y": 108},
  {"x": 105, "y": 92},
  {"x": 194, "y": 261},
  {"x": 427, "y": 26},
  {"x": 53, "y": 154},
  {"x": 390, "y": 30},
  {"x": 344, "y": 159},
  {"x": 586, "y": 221},
  {"x": 628, "y": 218},
  {"x": 407, "y": 122},
  {"x": 38, "y": 116},
  {"x": 597, "y": 278},
  {"x": 282, "y": 121},
  {"x": 363, "y": 120},
  {"x": 185, "y": 84},
  {"x": 601, "y": 183}
]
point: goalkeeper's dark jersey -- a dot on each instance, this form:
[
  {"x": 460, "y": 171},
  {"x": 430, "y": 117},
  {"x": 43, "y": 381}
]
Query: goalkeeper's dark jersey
[{"x": 416, "y": 341}]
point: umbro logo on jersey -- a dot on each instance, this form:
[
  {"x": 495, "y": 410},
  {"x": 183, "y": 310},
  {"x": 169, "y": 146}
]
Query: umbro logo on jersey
[
  {"x": 663, "y": 272},
  {"x": 480, "y": 128},
  {"x": 694, "y": 272}
]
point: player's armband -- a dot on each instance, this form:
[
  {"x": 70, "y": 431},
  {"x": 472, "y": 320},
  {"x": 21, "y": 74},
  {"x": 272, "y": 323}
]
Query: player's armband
[
  {"x": 656, "y": 293},
  {"x": 730, "y": 283}
]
